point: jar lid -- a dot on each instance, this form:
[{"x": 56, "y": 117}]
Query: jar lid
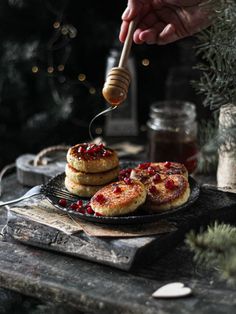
[{"x": 174, "y": 110}]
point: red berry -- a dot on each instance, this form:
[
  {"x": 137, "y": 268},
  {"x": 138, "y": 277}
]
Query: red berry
[
  {"x": 156, "y": 178},
  {"x": 100, "y": 198},
  {"x": 153, "y": 189},
  {"x": 98, "y": 214},
  {"x": 151, "y": 171},
  {"x": 167, "y": 164},
  {"x": 90, "y": 211},
  {"x": 124, "y": 173},
  {"x": 81, "y": 150},
  {"x": 73, "y": 206},
  {"x": 87, "y": 205},
  {"x": 106, "y": 153},
  {"x": 117, "y": 189},
  {"x": 62, "y": 202},
  {"x": 81, "y": 210},
  {"x": 170, "y": 184},
  {"x": 79, "y": 203},
  {"x": 101, "y": 146},
  {"x": 128, "y": 181},
  {"x": 144, "y": 165}
]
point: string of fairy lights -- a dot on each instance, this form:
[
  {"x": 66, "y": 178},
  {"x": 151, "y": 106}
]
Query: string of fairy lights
[{"x": 62, "y": 36}]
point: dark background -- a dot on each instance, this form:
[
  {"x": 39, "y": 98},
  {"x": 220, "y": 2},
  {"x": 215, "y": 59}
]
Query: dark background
[{"x": 42, "y": 101}]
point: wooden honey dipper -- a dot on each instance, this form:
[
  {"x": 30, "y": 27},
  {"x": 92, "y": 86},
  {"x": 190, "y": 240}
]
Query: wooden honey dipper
[{"x": 116, "y": 86}]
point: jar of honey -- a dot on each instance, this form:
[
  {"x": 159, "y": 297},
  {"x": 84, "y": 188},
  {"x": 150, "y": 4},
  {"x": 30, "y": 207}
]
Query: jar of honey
[{"x": 172, "y": 133}]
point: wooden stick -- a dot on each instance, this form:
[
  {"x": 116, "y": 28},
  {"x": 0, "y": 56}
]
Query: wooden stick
[{"x": 127, "y": 44}]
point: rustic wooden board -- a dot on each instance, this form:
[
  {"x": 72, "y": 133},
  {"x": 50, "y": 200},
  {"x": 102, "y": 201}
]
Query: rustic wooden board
[
  {"x": 127, "y": 252},
  {"x": 119, "y": 253}
]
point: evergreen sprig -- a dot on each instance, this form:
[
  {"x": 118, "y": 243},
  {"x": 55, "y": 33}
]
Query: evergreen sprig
[
  {"x": 216, "y": 247},
  {"x": 218, "y": 54}
]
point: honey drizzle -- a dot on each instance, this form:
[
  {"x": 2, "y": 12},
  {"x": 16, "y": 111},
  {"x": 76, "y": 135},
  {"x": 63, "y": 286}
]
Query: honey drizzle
[{"x": 98, "y": 115}]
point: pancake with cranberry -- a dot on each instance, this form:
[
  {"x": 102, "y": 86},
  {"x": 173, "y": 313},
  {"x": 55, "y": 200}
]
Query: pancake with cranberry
[
  {"x": 81, "y": 189},
  {"x": 119, "y": 198},
  {"x": 86, "y": 178},
  {"x": 92, "y": 158},
  {"x": 170, "y": 167},
  {"x": 144, "y": 171},
  {"x": 166, "y": 192}
]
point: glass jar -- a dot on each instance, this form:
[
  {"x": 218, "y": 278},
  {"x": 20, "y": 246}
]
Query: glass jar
[{"x": 172, "y": 133}]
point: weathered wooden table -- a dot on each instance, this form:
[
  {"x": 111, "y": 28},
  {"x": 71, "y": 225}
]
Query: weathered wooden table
[{"x": 34, "y": 279}]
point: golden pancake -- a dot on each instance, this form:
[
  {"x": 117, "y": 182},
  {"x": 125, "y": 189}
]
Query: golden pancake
[
  {"x": 80, "y": 189},
  {"x": 165, "y": 192},
  {"x": 119, "y": 198},
  {"x": 86, "y": 178},
  {"x": 145, "y": 171},
  {"x": 92, "y": 158}
]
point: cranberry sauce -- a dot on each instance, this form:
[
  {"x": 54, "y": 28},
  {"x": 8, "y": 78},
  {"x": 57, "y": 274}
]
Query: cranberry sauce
[{"x": 90, "y": 151}]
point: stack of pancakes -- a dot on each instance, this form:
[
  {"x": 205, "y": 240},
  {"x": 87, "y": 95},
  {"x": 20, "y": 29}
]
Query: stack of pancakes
[{"x": 89, "y": 167}]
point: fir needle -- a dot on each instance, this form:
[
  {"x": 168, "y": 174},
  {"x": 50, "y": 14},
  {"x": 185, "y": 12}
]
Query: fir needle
[{"x": 98, "y": 115}]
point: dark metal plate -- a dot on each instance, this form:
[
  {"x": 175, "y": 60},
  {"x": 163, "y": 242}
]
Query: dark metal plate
[{"x": 139, "y": 216}]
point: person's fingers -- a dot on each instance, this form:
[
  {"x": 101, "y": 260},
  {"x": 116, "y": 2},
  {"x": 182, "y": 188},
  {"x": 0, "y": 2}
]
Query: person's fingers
[
  {"x": 148, "y": 21},
  {"x": 133, "y": 9},
  {"x": 125, "y": 24},
  {"x": 136, "y": 8},
  {"x": 167, "y": 36},
  {"x": 136, "y": 37},
  {"x": 150, "y": 35},
  {"x": 123, "y": 31},
  {"x": 126, "y": 14}
]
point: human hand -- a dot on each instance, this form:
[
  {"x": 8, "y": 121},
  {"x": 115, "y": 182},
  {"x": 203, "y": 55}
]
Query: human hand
[{"x": 165, "y": 21}]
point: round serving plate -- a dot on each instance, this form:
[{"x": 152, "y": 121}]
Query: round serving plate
[{"x": 140, "y": 215}]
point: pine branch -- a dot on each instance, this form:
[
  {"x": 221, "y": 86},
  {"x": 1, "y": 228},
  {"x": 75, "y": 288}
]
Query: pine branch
[
  {"x": 216, "y": 247},
  {"x": 217, "y": 51}
]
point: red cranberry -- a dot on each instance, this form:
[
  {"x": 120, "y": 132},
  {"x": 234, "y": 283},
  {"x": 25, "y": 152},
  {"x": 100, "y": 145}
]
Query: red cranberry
[
  {"x": 81, "y": 150},
  {"x": 62, "y": 202},
  {"x": 106, "y": 153},
  {"x": 87, "y": 205},
  {"x": 81, "y": 210},
  {"x": 153, "y": 189},
  {"x": 90, "y": 210},
  {"x": 100, "y": 198},
  {"x": 117, "y": 189},
  {"x": 101, "y": 146},
  {"x": 151, "y": 171},
  {"x": 144, "y": 179},
  {"x": 144, "y": 165},
  {"x": 170, "y": 184},
  {"x": 73, "y": 206},
  {"x": 128, "y": 181},
  {"x": 156, "y": 178},
  {"x": 79, "y": 203},
  {"x": 167, "y": 164},
  {"x": 98, "y": 214},
  {"x": 124, "y": 173}
]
